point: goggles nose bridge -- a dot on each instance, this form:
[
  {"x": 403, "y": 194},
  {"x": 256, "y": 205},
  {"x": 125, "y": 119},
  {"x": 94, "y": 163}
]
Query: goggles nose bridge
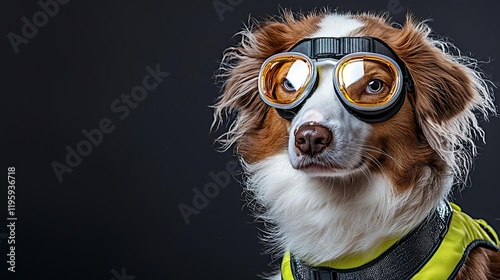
[{"x": 320, "y": 64}]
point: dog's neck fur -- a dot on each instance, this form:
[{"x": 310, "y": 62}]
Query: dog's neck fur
[{"x": 321, "y": 219}]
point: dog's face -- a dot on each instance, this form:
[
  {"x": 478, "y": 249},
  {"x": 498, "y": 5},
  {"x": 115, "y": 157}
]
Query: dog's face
[{"x": 324, "y": 139}]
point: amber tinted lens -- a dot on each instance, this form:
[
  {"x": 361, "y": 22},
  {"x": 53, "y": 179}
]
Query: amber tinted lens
[
  {"x": 368, "y": 81},
  {"x": 284, "y": 78}
]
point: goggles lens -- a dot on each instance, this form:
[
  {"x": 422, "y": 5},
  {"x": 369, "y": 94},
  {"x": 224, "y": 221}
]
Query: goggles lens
[
  {"x": 365, "y": 81},
  {"x": 368, "y": 82},
  {"x": 284, "y": 78}
]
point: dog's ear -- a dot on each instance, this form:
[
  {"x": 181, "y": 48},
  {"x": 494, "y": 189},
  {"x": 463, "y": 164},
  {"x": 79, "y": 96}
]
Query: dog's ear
[
  {"x": 445, "y": 86},
  {"x": 449, "y": 88},
  {"x": 240, "y": 68}
]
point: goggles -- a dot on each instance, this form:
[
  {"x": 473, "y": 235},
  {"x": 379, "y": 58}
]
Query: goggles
[{"x": 368, "y": 77}]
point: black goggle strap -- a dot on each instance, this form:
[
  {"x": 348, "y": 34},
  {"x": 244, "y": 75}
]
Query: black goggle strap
[{"x": 331, "y": 47}]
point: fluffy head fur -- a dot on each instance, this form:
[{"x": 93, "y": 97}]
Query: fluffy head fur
[{"x": 375, "y": 181}]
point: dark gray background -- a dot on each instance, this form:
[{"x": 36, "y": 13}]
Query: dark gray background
[{"x": 119, "y": 207}]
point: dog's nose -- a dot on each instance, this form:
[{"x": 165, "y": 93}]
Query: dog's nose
[{"x": 311, "y": 139}]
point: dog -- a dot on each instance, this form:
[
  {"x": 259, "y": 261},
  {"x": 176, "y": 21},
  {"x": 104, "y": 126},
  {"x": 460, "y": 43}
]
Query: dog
[{"x": 352, "y": 132}]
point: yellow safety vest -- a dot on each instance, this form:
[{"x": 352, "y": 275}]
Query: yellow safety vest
[{"x": 461, "y": 234}]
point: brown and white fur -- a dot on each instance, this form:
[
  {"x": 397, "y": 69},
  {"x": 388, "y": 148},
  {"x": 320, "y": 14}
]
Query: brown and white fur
[{"x": 373, "y": 181}]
